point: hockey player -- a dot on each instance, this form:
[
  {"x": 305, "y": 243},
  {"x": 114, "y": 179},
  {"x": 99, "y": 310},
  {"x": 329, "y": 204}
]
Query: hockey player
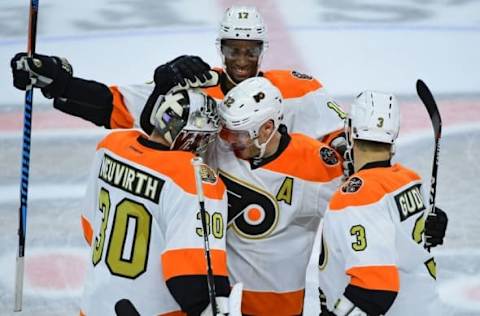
[
  {"x": 142, "y": 221},
  {"x": 372, "y": 259},
  {"x": 278, "y": 186},
  {"x": 242, "y": 41}
]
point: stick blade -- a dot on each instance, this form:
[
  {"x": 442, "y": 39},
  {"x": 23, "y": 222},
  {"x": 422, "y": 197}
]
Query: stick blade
[{"x": 427, "y": 98}]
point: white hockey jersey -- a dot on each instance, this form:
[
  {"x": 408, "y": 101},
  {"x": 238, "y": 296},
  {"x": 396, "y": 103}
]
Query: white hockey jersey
[
  {"x": 308, "y": 109},
  {"x": 142, "y": 221},
  {"x": 274, "y": 211},
  {"x": 372, "y": 238}
]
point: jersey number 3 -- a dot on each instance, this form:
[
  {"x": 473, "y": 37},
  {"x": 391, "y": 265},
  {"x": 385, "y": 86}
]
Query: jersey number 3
[{"x": 131, "y": 219}]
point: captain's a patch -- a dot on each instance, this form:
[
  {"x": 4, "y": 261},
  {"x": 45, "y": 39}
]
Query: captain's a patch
[
  {"x": 328, "y": 156},
  {"x": 352, "y": 185}
]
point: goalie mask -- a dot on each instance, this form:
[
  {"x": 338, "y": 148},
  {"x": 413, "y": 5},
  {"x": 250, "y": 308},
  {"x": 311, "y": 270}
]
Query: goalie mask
[
  {"x": 242, "y": 23},
  {"x": 374, "y": 116},
  {"x": 246, "y": 108},
  {"x": 186, "y": 119}
]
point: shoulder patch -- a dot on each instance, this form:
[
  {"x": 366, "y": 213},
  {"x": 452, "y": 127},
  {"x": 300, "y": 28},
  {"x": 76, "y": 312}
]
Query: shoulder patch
[
  {"x": 208, "y": 174},
  {"x": 352, "y": 185},
  {"x": 300, "y": 75},
  {"x": 328, "y": 156}
]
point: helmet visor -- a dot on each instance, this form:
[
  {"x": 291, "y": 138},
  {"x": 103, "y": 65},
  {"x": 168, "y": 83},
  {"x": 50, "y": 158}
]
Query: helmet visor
[
  {"x": 236, "y": 139},
  {"x": 251, "y": 53}
]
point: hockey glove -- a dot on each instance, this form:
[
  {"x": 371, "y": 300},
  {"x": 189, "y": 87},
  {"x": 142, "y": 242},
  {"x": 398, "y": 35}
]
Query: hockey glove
[
  {"x": 435, "y": 228},
  {"x": 181, "y": 70},
  {"x": 49, "y": 73}
]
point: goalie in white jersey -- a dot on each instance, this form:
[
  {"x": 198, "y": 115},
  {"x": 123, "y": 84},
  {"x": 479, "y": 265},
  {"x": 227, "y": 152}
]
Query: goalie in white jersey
[
  {"x": 142, "y": 221},
  {"x": 372, "y": 259}
]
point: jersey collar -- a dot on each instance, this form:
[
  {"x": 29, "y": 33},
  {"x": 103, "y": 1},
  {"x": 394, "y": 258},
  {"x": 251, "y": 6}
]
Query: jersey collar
[
  {"x": 149, "y": 144},
  {"x": 377, "y": 164},
  {"x": 284, "y": 141}
]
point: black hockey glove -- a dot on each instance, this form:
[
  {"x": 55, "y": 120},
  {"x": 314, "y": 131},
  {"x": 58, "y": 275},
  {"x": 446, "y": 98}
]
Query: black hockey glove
[
  {"x": 180, "y": 69},
  {"x": 49, "y": 73},
  {"x": 435, "y": 228}
]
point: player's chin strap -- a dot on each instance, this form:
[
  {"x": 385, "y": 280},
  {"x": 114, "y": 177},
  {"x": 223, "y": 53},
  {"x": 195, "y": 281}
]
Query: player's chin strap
[
  {"x": 344, "y": 307},
  {"x": 231, "y": 305},
  {"x": 263, "y": 146}
]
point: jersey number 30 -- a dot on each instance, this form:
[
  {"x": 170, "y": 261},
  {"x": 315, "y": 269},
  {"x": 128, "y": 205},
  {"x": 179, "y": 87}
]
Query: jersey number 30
[{"x": 131, "y": 218}]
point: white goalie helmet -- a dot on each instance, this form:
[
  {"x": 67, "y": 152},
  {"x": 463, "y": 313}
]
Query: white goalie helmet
[
  {"x": 249, "y": 105},
  {"x": 374, "y": 116},
  {"x": 187, "y": 119}
]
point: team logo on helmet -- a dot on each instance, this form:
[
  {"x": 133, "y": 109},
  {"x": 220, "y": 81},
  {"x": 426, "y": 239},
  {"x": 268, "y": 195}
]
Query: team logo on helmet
[
  {"x": 259, "y": 96},
  {"x": 328, "y": 156},
  {"x": 300, "y": 75},
  {"x": 352, "y": 185}
]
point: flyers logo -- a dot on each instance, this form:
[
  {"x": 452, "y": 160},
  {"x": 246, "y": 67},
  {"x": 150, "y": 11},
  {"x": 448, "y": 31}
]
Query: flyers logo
[{"x": 259, "y": 97}]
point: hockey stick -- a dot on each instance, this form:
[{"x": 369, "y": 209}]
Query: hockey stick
[
  {"x": 429, "y": 102},
  {"x": 197, "y": 163},
  {"x": 125, "y": 307},
  {"x": 27, "y": 130}
]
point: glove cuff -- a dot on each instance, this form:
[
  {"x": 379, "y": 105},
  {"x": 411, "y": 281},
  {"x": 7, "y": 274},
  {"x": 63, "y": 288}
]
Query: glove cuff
[{"x": 64, "y": 73}]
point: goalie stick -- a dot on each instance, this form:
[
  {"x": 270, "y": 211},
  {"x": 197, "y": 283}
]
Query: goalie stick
[
  {"x": 427, "y": 98},
  {"x": 197, "y": 163},
  {"x": 27, "y": 131}
]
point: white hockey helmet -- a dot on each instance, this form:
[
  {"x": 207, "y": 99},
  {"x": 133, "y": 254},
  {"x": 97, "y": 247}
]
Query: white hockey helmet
[
  {"x": 187, "y": 119},
  {"x": 249, "y": 105},
  {"x": 375, "y": 116},
  {"x": 242, "y": 23}
]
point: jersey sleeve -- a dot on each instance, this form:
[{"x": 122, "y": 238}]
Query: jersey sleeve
[
  {"x": 316, "y": 114},
  {"x": 183, "y": 261},
  {"x": 90, "y": 201},
  {"x": 128, "y": 103}
]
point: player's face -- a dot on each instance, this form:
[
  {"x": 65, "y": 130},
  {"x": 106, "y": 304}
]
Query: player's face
[
  {"x": 241, "y": 58},
  {"x": 240, "y": 142}
]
